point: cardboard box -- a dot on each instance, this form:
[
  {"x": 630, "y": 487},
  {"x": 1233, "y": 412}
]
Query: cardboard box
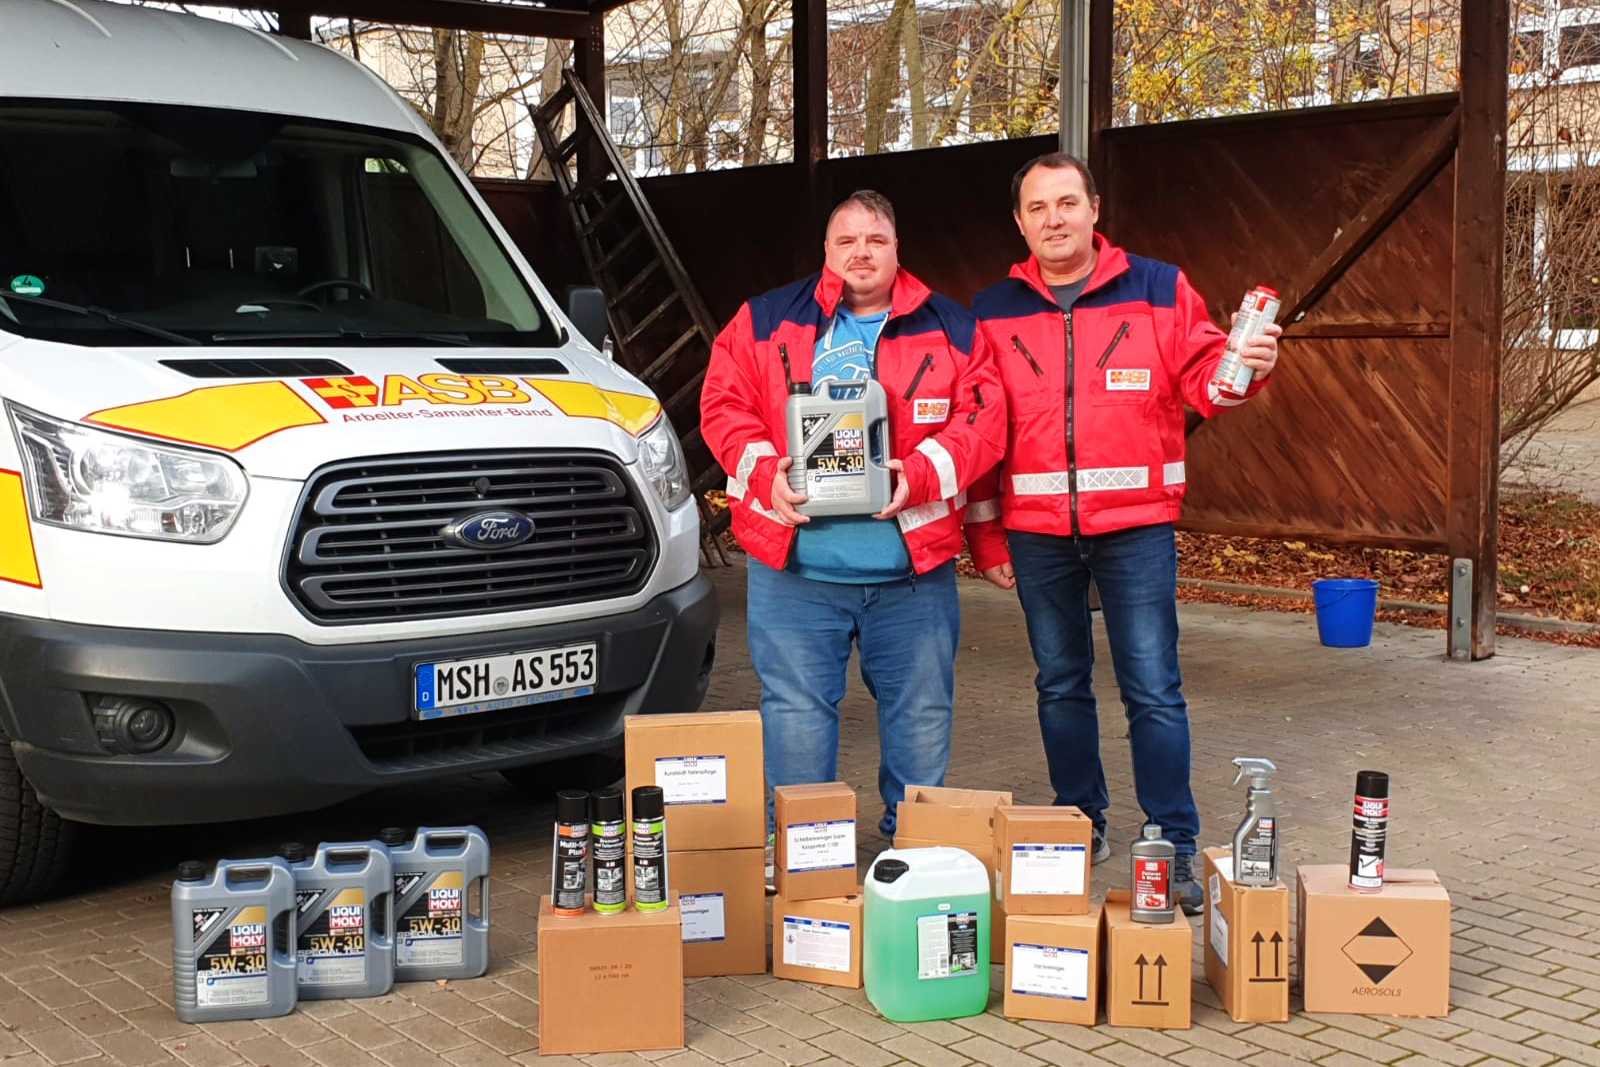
[
  {"x": 723, "y": 897},
  {"x": 1246, "y": 943},
  {"x": 818, "y": 940},
  {"x": 961, "y": 818},
  {"x": 934, "y": 815},
  {"x": 1042, "y": 859},
  {"x": 709, "y": 765},
  {"x": 1147, "y": 968},
  {"x": 1053, "y": 968},
  {"x": 627, "y": 966},
  {"x": 816, "y": 841},
  {"x": 1383, "y": 953}
]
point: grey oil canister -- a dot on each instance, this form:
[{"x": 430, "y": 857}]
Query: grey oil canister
[
  {"x": 838, "y": 442},
  {"x": 438, "y": 873},
  {"x": 1152, "y": 897},
  {"x": 344, "y": 922},
  {"x": 232, "y": 956}
]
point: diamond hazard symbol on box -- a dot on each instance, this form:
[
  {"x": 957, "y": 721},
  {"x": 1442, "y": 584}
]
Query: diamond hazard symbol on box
[{"x": 1377, "y": 950}]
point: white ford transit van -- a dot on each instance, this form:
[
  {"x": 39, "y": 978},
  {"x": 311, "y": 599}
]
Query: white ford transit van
[{"x": 307, "y": 485}]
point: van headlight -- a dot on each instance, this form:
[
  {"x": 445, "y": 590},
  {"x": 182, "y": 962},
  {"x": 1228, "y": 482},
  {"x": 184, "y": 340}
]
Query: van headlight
[
  {"x": 87, "y": 479},
  {"x": 664, "y": 466}
]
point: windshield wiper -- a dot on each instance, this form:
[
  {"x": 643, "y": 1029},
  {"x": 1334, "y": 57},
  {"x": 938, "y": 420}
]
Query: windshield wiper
[
  {"x": 109, "y": 316},
  {"x": 344, "y": 335}
]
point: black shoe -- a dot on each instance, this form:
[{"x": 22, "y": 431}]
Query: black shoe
[
  {"x": 1101, "y": 850},
  {"x": 1185, "y": 890}
]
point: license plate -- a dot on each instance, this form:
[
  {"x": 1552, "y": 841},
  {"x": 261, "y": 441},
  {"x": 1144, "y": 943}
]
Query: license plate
[{"x": 516, "y": 679}]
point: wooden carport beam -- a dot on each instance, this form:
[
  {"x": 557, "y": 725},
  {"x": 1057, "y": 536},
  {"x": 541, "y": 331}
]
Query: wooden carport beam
[
  {"x": 809, "y": 32},
  {"x": 511, "y": 19},
  {"x": 1473, "y": 458}
]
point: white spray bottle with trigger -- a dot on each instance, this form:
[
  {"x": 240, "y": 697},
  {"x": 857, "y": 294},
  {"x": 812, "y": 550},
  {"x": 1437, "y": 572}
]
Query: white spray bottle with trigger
[{"x": 1255, "y": 842}]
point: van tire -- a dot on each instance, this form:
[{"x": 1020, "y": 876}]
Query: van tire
[
  {"x": 593, "y": 770},
  {"x": 35, "y": 842}
]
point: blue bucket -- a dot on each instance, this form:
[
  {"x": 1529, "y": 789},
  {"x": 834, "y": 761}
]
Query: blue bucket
[{"x": 1345, "y": 610}]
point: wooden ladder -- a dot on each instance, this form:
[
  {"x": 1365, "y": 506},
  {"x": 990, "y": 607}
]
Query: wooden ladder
[{"x": 660, "y": 327}]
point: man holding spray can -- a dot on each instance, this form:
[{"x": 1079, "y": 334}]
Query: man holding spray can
[
  {"x": 1099, "y": 350},
  {"x": 884, "y": 582}
]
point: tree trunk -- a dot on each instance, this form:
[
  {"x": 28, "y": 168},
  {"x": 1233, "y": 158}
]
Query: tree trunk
[
  {"x": 458, "y": 73},
  {"x": 675, "y": 119},
  {"x": 885, "y": 73},
  {"x": 914, "y": 82},
  {"x": 556, "y": 54},
  {"x": 760, "y": 100},
  {"x": 975, "y": 70}
]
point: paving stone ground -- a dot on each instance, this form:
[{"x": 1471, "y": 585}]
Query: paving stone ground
[{"x": 1493, "y": 765}]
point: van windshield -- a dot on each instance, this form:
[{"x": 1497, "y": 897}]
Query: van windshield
[{"x": 231, "y": 227}]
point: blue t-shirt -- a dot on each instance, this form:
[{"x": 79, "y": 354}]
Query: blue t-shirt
[{"x": 857, "y": 549}]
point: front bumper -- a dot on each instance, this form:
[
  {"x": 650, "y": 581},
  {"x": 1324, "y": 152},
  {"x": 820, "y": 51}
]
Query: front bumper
[{"x": 268, "y": 724}]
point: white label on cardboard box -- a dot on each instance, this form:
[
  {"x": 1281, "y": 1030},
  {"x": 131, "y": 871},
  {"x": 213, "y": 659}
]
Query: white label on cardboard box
[
  {"x": 703, "y": 917},
  {"x": 816, "y": 943},
  {"x": 947, "y": 944},
  {"x": 1050, "y": 971},
  {"x": 1224, "y": 864},
  {"x": 693, "y": 779},
  {"x": 1219, "y": 922},
  {"x": 1039, "y": 869},
  {"x": 820, "y": 846}
]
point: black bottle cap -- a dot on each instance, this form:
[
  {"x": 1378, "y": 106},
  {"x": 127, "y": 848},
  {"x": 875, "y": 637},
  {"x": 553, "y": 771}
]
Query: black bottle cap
[
  {"x": 799, "y": 389},
  {"x": 393, "y": 836},
  {"x": 889, "y": 870},
  {"x": 572, "y": 807},
  {"x": 293, "y": 851},
  {"x": 649, "y": 802},
  {"x": 605, "y": 805},
  {"x": 1373, "y": 784},
  {"x": 192, "y": 871}
]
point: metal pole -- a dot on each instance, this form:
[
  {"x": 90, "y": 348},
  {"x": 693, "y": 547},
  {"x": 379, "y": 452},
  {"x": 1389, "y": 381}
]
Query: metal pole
[{"x": 1075, "y": 77}]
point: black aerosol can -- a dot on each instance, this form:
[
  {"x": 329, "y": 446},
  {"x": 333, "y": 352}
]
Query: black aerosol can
[
  {"x": 1369, "y": 834},
  {"x": 649, "y": 848},
  {"x": 569, "y": 875}
]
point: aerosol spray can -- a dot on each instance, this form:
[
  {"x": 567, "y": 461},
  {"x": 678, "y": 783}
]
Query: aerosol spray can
[
  {"x": 1152, "y": 877},
  {"x": 1369, "y": 833},
  {"x": 569, "y": 875},
  {"x": 649, "y": 848},
  {"x": 609, "y": 841},
  {"x": 1258, "y": 311}
]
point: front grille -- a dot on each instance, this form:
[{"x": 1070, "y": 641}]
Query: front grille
[{"x": 368, "y": 544}]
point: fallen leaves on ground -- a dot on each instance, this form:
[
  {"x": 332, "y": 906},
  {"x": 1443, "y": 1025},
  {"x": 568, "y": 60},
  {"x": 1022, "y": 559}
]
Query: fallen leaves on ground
[{"x": 1549, "y": 553}]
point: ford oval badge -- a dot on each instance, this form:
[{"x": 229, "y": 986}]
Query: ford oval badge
[{"x": 489, "y": 530}]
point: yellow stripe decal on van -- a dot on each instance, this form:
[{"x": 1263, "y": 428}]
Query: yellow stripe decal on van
[
  {"x": 228, "y": 417},
  {"x": 17, "y": 560},
  {"x": 634, "y": 414}
]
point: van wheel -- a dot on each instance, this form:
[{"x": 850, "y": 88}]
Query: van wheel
[
  {"x": 35, "y": 842},
  {"x": 593, "y": 770}
]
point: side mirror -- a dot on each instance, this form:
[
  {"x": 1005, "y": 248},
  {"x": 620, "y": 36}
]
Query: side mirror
[{"x": 586, "y": 307}]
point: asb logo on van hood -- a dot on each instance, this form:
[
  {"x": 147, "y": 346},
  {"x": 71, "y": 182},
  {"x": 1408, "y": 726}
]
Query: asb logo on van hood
[{"x": 489, "y": 530}]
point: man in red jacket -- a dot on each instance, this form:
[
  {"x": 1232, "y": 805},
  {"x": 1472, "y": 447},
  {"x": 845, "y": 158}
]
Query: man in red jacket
[
  {"x": 885, "y": 583},
  {"x": 1099, "y": 351}
]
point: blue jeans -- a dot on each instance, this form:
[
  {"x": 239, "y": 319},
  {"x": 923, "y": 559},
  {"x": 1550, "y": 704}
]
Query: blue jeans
[
  {"x": 801, "y": 632},
  {"x": 1136, "y": 572}
]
